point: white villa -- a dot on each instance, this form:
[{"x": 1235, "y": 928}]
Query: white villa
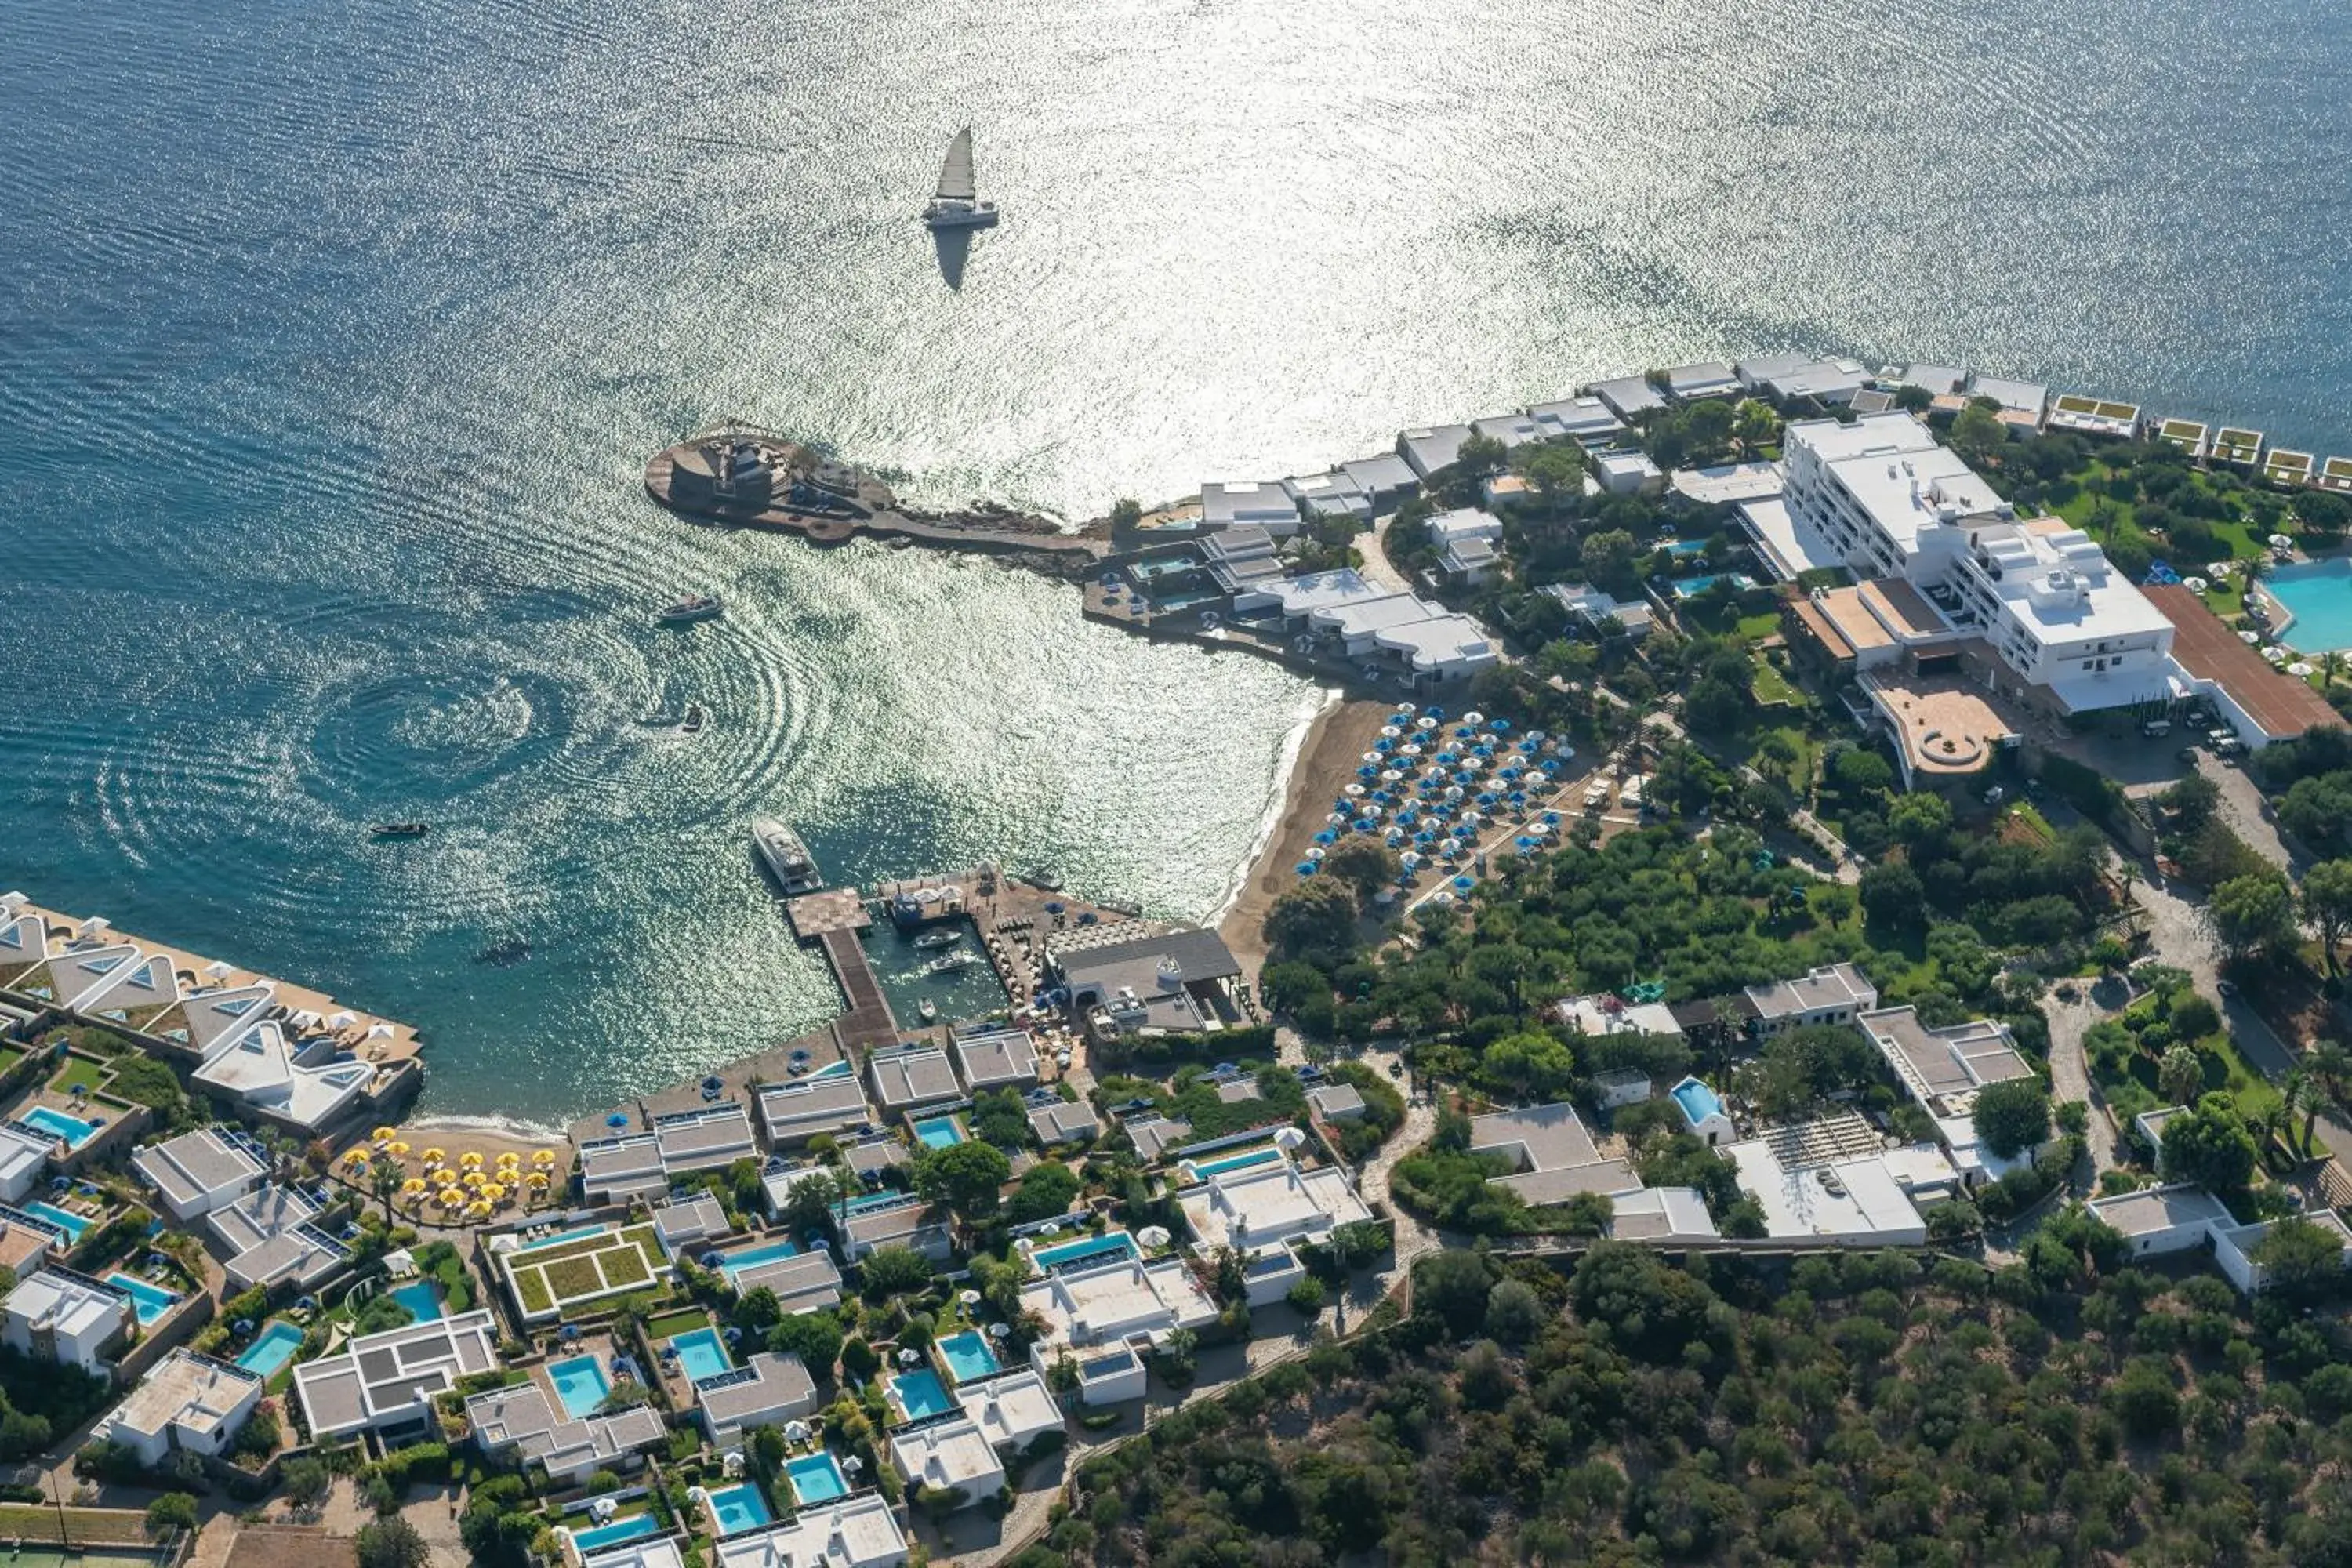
[
  {"x": 1105, "y": 1317},
  {"x": 859, "y": 1531},
  {"x": 1264, "y": 1212},
  {"x": 188, "y": 1402},
  {"x": 199, "y": 1171},
  {"x": 58, "y": 1315},
  {"x": 390, "y": 1380}
]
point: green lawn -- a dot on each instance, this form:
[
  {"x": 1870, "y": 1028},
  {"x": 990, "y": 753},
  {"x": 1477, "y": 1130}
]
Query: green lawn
[
  {"x": 77, "y": 1073},
  {"x": 675, "y": 1324},
  {"x": 1771, "y": 686}
]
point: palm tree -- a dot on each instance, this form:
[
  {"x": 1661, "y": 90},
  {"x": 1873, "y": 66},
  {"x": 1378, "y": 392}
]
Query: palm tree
[
  {"x": 2329, "y": 662},
  {"x": 2296, "y": 1094}
]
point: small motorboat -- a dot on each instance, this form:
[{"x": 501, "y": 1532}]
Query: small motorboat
[
  {"x": 400, "y": 829},
  {"x": 693, "y": 608},
  {"x": 927, "y": 1011},
  {"x": 696, "y": 719},
  {"x": 934, "y": 939},
  {"x": 949, "y": 963}
]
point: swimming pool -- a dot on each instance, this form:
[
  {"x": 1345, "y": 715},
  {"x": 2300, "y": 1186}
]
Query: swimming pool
[
  {"x": 561, "y": 1237},
  {"x": 738, "y": 1508},
  {"x": 1686, "y": 547},
  {"x": 58, "y": 1124},
  {"x": 1692, "y": 588},
  {"x": 580, "y": 1384},
  {"x": 938, "y": 1133},
  {"x": 611, "y": 1535},
  {"x": 1697, "y": 1100},
  {"x": 831, "y": 1069},
  {"x": 732, "y": 1263},
  {"x": 2318, "y": 595},
  {"x": 72, "y": 1223},
  {"x": 1092, "y": 1249},
  {"x": 422, "y": 1300},
  {"x": 701, "y": 1353},
  {"x": 968, "y": 1356},
  {"x": 921, "y": 1393},
  {"x": 273, "y": 1349},
  {"x": 152, "y": 1301},
  {"x": 1240, "y": 1162},
  {"x": 816, "y": 1479}
]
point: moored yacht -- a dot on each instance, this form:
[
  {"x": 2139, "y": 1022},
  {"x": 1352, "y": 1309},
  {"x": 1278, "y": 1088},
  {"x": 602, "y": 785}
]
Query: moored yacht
[
  {"x": 785, "y": 857},
  {"x": 695, "y": 607}
]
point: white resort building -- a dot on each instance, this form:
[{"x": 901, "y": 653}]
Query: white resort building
[
  {"x": 1105, "y": 1317},
  {"x": 187, "y": 1403},
  {"x": 1264, "y": 1212}
]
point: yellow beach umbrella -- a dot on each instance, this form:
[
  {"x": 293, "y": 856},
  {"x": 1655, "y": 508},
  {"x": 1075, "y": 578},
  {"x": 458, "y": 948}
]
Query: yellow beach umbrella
[
  {"x": 469, "y": 1158},
  {"x": 508, "y": 1157},
  {"x": 436, "y": 1156},
  {"x": 477, "y": 1210},
  {"x": 537, "y": 1178},
  {"x": 414, "y": 1185},
  {"x": 493, "y": 1193},
  {"x": 475, "y": 1178},
  {"x": 382, "y": 1134},
  {"x": 542, "y": 1157},
  {"x": 397, "y": 1147},
  {"x": 450, "y": 1197}
]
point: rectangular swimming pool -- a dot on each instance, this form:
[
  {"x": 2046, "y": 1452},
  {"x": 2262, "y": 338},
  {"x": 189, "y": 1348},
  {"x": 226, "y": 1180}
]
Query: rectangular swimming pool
[
  {"x": 561, "y": 1237},
  {"x": 701, "y": 1353},
  {"x": 1093, "y": 1248},
  {"x": 72, "y": 1223},
  {"x": 422, "y": 1300},
  {"x": 938, "y": 1133},
  {"x": 152, "y": 1301},
  {"x": 732, "y": 1263},
  {"x": 612, "y": 1534},
  {"x": 968, "y": 1356},
  {"x": 1240, "y": 1162},
  {"x": 1692, "y": 588},
  {"x": 816, "y": 1479},
  {"x": 921, "y": 1393},
  {"x": 580, "y": 1384},
  {"x": 58, "y": 1124},
  {"x": 738, "y": 1508},
  {"x": 274, "y": 1348}
]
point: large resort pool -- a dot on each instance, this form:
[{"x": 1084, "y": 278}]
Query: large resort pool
[
  {"x": 2318, "y": 595},
  {"x": 1089, "y": 1249}
]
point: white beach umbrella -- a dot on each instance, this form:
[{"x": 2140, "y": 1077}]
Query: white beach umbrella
[{"x": 217, "y": 970}]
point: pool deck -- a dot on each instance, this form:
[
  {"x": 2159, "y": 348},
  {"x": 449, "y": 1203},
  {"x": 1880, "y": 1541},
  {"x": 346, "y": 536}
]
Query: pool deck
[{"x": 2283, "y": 705}]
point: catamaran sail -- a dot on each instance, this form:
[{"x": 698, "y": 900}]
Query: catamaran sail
[
  {"x": 956, "y": 205},
  {"x": 955, "y": 174}
]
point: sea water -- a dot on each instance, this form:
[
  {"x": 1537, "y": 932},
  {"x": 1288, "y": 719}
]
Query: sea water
[{"x": 334, "y": 340}]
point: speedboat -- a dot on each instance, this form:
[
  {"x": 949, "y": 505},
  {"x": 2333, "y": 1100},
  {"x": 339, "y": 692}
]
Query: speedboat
[
  {"x": 955, "y": 205},
  {"x": 947, "y": 963},
  {"x": 939, "y": 939},
  {"x": 785, "y": 857},
  {"x": 692, "y": 608},
  {"x": 697, "y": 718},
  {"x": 400, "y": 829},
  {"x": 927, "y": 1010}
]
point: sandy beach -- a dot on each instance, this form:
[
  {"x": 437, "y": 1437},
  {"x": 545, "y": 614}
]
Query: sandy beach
[{"x": 1327, "y": 759}]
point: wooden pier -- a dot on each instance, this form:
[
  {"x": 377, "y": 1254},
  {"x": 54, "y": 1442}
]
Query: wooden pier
[{"x": 832, "y": 918}]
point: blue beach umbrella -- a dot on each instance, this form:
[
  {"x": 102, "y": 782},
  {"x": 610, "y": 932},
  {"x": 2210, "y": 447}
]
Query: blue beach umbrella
[
  {"x": 618, "y": 1119},
  {"x": 1464, "y": 884},
  {"x": 1367, "y": 771},
  {"x": 1305, "y": 868},
  {"x": 1551, "y": 819},
  {"x": 1327, "y": 837},
  {"x": 1500, "y": 726},
  {"x": 1366, "y": 825}
]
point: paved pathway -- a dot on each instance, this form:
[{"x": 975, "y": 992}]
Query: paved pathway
[{"x": 2070, "y": 1074}]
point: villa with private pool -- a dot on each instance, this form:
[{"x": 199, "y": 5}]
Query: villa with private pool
[
  {"x": 1266, "y": 1211},
  {"x": 1104, "y": 1319},
  {"x": 859, "y": 1531},
  {"x": 768, "y": 1389}
]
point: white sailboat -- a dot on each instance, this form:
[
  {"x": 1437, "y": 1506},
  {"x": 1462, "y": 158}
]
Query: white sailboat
[{"x": 955, "y": 204}]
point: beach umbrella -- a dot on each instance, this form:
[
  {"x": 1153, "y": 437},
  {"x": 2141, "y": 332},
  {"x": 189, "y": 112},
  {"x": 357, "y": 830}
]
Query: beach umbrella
[
  {"x": 2298, "y": 667},
  {"x": 1410, "y": 749},
  {"x": 1395, "y": 837},
  {"x": 475, "y": 1178},
  {"x": 1500, "y": 726},
  {"x": 1353, "y": 791},
  {"x": 450, "y": 1197},
  {"x": 1487, "y": 798},
  {"x": 1552, "y": 766},
  {"x": 1473, "y": 717},
  {"x": 2281, "y": 541},
  {"x": 341, "y": 1021},
  {"x": 411, "y": 1187},
  {"x": 1403, "y": 710},
  {"x": 356, "y": 1159},
  {"x": 477, "y": 1210},
  {"x": 1366, "y": 825},
  {"x": 1315, "y": 854},
  {"x": 1152, "y": 1235},
  {"x": 216, "y": 970},
  {"x": 1551, "y": 819},
  {"x": 493, "y": 1193},
  {"x": 2250, "y": 638},
  {"x": 1327, "y": 837},
  {"x": 469, "y": 1158},
  {"x": 1305, "y": 868},
  {"x": 1424, "y": 723},
  {"x": 508, "y": 1157},
  {"x": 1383, "y": 747},
  {"x": 542, "y": 1157},
  {"x": 619, "y": 1119},
  {"x": 537, "y": 1178},
  {"x": 1370, "y": 757},
  {"x": 1441, "y": 896},
  {"x": 2195, "y": 584},
  {"x": 396, "y": 1148},
  {"x": 1389, "y": 731},
  {"x": 1367, "y": 771},
  {"x": 1390, "y": 776},
  {"x": 908, "y": 1356},
  {"x": 384, "y": 1135},
  {"x": 379, "y": 1031},
  {"x": 436, "y": 1156}
]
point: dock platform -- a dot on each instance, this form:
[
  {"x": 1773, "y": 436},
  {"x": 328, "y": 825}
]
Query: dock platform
[
  {"x": 868, "y": 1023},
  {"x": 836, "y": 909}
]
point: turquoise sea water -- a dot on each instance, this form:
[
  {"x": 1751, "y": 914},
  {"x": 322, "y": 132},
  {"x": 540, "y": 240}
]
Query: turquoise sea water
[{"x": 333, "y": 340}]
